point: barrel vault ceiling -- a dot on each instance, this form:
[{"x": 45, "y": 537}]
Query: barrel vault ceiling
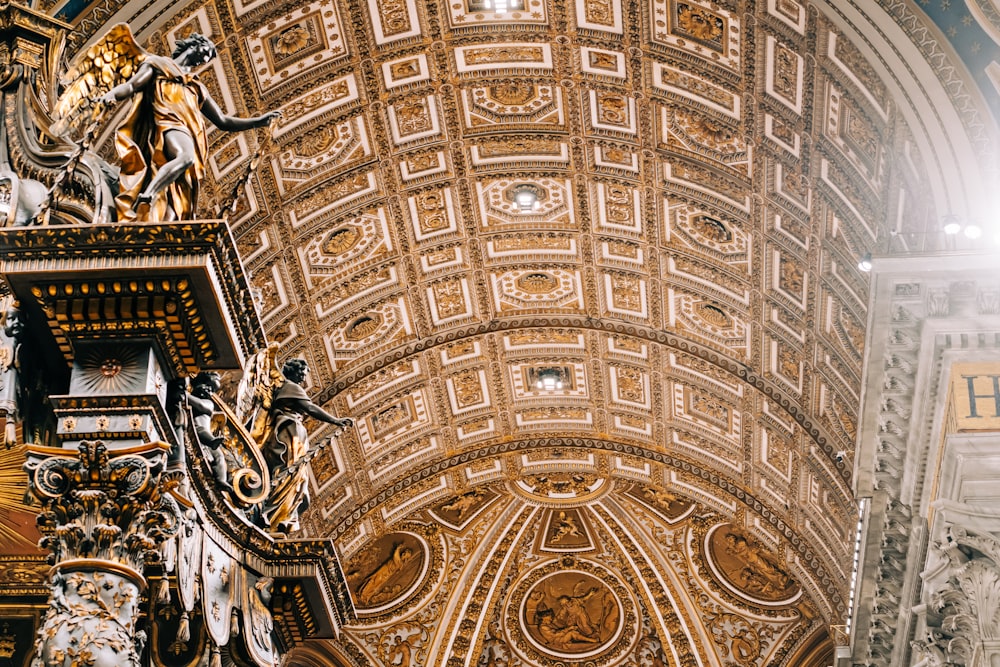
[{"x": 705, "y": 175}]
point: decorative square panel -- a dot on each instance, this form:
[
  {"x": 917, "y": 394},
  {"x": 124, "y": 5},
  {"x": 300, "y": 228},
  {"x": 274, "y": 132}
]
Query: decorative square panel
[
  {"x": 855, "y": 135},
  {"x": 600, "y": 15},
  {"x": 315, "y": 154},
  {"x": 531, "y": 246},
  {"x": 705, "y": 134},
  {"x": 514, "y": 103},
  {"x": 337, "y": 294},
  {"x": 782, "y": 134},
  {"x": 788, "y": 277},
  {"x": 432, "y": 214},
  {"x": 792, "y": 186},
  {"x": 632, "y": 425},
  {"x": 443, "y": 259},
  {"x": 790, "y": 12},
  {"x": 414, "y": 118},
  {"x": 709, "y": 182},
  {"x": 296, "y": 43},
  {"x": 629, "y": 386},
  {"x": 525, "y": 151},
  {"x": 450, "y": 302},
  {"x": 272, "y": 295},
  {"x": 708, "y": 233},
  {"x": 376, "y": 386},
  {"x": 784, "y": 74},
  {"x": 474, "y": 13},
  {"x": 476, "y": 429},
  {"x": 325, "y": 203},
  {"x": 709, "y": 319},
  {"x": 204, "y": 21},
  {"x": 601, "y": 62},
  {"x": 319, "y": 101},
  {"x": 393, "y": 20},
  {"x": 852, "y": 63},
  {"x": 618, "y": 209},
  {"x": 466, "y": 350},
  {"x": 498, "y": 207},
  {"x": 402, "y": 71},
  {"x": 544, "y": 340},
  {"x": 709, "y": 410},
  {"x": 380, "y": 326},
  {"x": 686, "y": 85},
  {"x": 422, "y": 165},
  {"x": 618, "y": 253},
  {"x": 504, "y": 57},
  {"x": 612, "y": 113},
  {"x": 700, "y": 28},
  {"x": 785, "y": 363},
  {"x": 631, "y": 348},
  {"x": 335, "y": 250},
  {"x": 623, "y": 295},
  {"x": 468, "y": 391},
  {"x": 232, "y": 153},
  {"x": 616, "y": 160},
  {"x": 549, "y": 417},
  {"x": 528, "y": 289}
]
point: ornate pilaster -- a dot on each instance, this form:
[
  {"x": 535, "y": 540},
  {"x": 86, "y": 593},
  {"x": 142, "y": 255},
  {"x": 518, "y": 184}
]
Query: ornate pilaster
[
  {"x": 962, "y": 616},
  {"x": 104, "y": 516}
]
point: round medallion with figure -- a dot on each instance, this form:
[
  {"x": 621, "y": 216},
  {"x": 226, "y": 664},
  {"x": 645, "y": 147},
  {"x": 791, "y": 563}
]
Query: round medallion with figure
[
  {"x": 387, "y": 571},
  {"x": 745, "y": 567},
  {"x": 572, "y": 611}
]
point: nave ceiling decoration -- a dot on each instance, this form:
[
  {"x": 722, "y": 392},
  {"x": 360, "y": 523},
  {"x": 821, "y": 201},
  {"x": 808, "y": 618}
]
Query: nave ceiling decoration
[{"x": 705, "y": 176}]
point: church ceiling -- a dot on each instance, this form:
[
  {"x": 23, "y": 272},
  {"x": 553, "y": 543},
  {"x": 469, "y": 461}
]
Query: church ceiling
[{"x": 614, "y": 423}]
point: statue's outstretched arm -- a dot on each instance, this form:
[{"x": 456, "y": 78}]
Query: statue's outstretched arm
[
  {"x": 210, "y": 109},
  {"x": 316, "y": 412}
]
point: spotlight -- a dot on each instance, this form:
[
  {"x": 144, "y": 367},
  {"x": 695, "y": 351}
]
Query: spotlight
[
  {"x": 951, "y": 225},
  {"x": 549, "y": 379},
  {"x": 866, "y": 262},
  {"x": 526, "y": 197},
  {"x": 973, "y": 231}
]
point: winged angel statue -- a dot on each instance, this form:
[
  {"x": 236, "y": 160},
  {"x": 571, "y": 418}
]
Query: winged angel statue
[
  {"x": 162, "y": 143},
  {"x": 267, "y": 438}
]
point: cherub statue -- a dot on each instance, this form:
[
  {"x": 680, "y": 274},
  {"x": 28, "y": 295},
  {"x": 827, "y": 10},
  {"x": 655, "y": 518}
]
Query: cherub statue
[
  {"x": 203, "y": 410},
  {"x": 162, "y": 143},
  {"x": 287, "y": 445},
  {"x": 11, "y": 334}
]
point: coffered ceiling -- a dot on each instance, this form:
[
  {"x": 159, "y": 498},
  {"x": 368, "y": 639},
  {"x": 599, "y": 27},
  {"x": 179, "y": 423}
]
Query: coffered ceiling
[{"x": 704, "y": 177}]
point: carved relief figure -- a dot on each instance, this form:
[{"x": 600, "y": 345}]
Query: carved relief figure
[
  {"x": 162, "y": 143},
  {"x": 762, "y": 571},
  {"x": 386, "y": 569},
  {"x": 286, "y": 447},
  {"x": 750, "y": 568},
  {"x": 375, "y": 582},
  {"x": 571, "y": 612}
]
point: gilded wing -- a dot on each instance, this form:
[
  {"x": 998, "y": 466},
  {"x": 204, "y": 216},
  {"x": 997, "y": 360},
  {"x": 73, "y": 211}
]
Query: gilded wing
[
  {"x": 256, "y": 391},
  {"x": 112, "y": 60}
]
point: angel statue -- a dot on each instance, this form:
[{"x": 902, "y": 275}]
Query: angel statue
[
  {"x": 288, "y": 445},
  {"x": 162, "y": 143}
]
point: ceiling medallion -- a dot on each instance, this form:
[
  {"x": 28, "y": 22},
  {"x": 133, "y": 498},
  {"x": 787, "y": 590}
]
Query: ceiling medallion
[
  {"x": 742, "y": 565},
  {"x": 537, "y": 283},
  {"x": 363, "y": 327},
  {"x": 341, "y": 240},
  {"x": 574, "y": 610}
]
